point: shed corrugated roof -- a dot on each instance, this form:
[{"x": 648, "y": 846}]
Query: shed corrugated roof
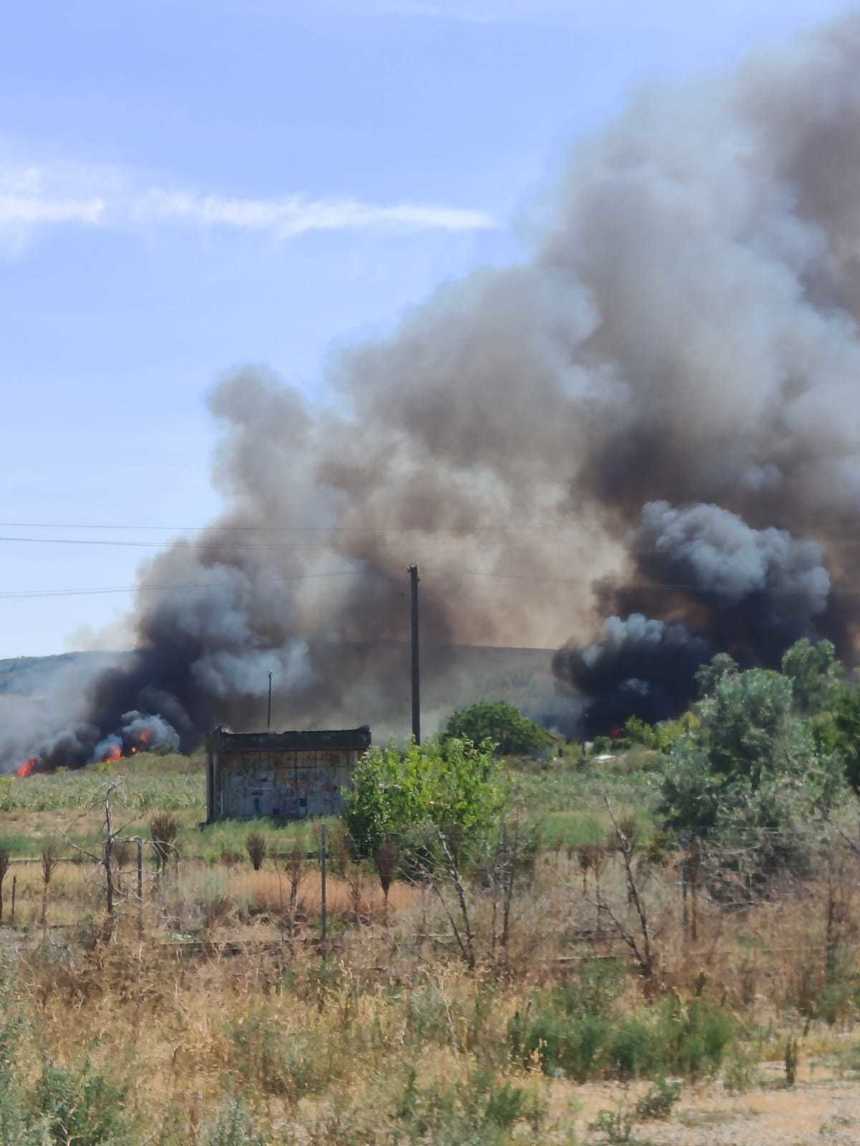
[{"x": 346, "y": 739}]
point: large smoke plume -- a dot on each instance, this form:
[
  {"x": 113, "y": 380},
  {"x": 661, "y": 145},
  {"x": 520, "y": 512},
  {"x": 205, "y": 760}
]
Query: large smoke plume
[{"x": 657, "y": 416}]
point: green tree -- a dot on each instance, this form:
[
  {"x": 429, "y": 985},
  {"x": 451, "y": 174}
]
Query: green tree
[
  {"x": 839, "y": 729},
  {"x": 753, "y": 773},
  {"x": 748, "y": 723},
  {"x": 512, "y": 733},
  {"x": 708, "y": 676},
  {"x": 814, "y": 672},
  {"x": 451, "y": 789},
  {"x": 660, "y": 737}
]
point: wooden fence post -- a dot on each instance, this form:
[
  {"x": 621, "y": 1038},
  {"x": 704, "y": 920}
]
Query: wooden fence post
[
  {"x": 685, "y": 888},
  {"x": 108, "y": 855},
  {"x": 323, "y": 905},
  {"x": 14, "y": 890},
  {"x": 4, "y": 868},
  {"x": 695, "y": 859},
  {"x": 139, "y": 886}
]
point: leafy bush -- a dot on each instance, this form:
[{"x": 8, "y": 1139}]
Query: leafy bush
[
  {"x": 814, "y": 673},
  {"x": 582, "y": 1032},
  {"x": 663, "y": 736},
  {"x": 754, "y": 772},
  {"x": 16, "y": 1128},
  {"x": 451, "y": 790},
  {"x": 657, "y": 1103},
  {"x": 479, "y": 1111},
  {"x": 838, "y": 729},
  {"x": 81, "y": 1106},
  {"x": 709, "y": 675},
  {"x": 232, "y": 1126},
  {"x": 283, "y": 1064},
  {"x": 512, "y": 733}
]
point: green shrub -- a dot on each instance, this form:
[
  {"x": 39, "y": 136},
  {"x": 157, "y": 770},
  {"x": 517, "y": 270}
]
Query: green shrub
[
  {"x": 451, "y": 789},
  {"x": 693, "y": 1037},
  {"x": 580, "y": 1031},
  {"x": 615, "y": 1128},
  {"x": 741, "y": 1071},
  {"x": 753, "y": 773},
  {"x": 81, "y": 1106},
  {"x": 283, "y": 1064},
  {"x": 572, "y": 1046},
  {"x": 659, "y": 737},
  {"x": 429, "y": 1016},
  {"x": 657, "y": 1103},
  {"x": 511, "y": 733},
  {"x": 232, "y": 1126},
  {"x": 632, "y": 1050},
  {"x": 479, "y": 1111},
  {"x": 16, "y": 1127},
  {"x": 815, "y": 674}
]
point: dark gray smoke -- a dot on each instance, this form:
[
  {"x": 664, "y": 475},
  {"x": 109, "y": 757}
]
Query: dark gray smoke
[
  {"x": 637, "y": 667},
  {"x": 724, "y": 585},
  {"x": 685, "y": 334},
  {"x": 139, "y": 733},
  {"x": 712, "y": 553}
]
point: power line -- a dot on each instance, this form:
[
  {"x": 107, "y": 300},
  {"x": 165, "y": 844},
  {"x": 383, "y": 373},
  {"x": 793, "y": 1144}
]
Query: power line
[
  {"x": 223, "y": 528},
  {"x": 244, "y": 546},
  {"x": 28, "y": 593},
  {"x": 579, "y": 582},
  {"x": 82, "y": 541}
]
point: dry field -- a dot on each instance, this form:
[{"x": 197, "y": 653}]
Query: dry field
[{"x": 214, "y": 1014}]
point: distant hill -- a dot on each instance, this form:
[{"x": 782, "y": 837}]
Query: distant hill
[
  {"x": 521, "y": 676},
  {"x": 28, "y": 676}
]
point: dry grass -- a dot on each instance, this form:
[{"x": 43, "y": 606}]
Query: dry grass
[
  {"x": 218, "y": 991},
  {"x": 324, "y": 1051}
]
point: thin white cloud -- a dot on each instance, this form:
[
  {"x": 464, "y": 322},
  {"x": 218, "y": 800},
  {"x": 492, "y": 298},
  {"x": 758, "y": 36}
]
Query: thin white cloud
[
  {"x": 30, "y": 211},
  {"x": 298, "y": 215},
  {"x": 27, "y": 203},
  {"x": 34, "y": 198}
]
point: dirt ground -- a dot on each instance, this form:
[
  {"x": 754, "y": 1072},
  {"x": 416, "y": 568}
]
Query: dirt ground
[{"x": 821, "y": 1108}]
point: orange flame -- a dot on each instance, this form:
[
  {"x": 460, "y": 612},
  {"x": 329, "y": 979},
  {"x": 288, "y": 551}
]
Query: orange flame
[
  {"x": 28, "y": 767},
  {"x": 112, "y": 755}
]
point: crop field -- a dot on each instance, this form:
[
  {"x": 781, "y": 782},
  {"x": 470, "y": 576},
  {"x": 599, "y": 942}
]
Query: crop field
[{"x": 223, "y": 1005}]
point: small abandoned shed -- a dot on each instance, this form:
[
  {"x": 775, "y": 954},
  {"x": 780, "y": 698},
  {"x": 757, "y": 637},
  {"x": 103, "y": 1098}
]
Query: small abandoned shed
[{"x": 287, "y": 775}]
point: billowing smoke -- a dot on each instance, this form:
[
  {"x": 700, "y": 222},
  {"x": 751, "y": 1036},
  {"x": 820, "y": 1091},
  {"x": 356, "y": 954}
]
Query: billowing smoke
[
  {"x": 721, "y": 585},
  {"x": 711, "y": 553},
  {"x": 684, "y": 339},
  {"x": 139, "y": 733},
  {"x": 637, "y": 667}
]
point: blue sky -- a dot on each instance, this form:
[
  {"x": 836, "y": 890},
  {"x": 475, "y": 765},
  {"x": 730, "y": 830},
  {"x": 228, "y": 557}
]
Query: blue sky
[{"x": 189, "y": 185}]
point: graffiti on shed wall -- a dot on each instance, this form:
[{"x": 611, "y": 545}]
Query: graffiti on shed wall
[{"x": 281, "y": 775}]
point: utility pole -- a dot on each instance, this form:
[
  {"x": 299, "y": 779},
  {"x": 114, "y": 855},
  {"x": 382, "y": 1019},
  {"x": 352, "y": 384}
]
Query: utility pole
[
  {"x": 416, "y": 663},
  {"x": 269, "y": 709}
]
